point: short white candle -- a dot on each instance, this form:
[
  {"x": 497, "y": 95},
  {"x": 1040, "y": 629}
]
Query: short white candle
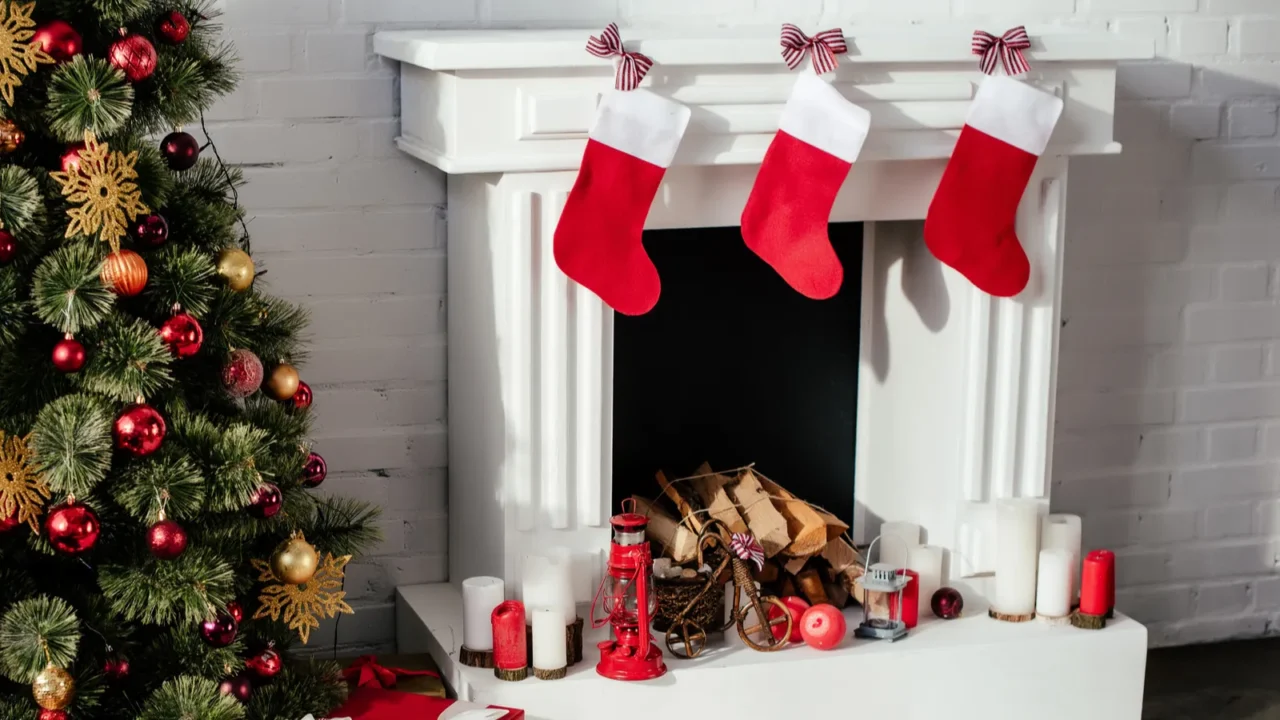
[
  {"x": 480, "y": 595},
  {"x": 926, "y": 560},
  {"x": 550, "y": 651},
  {"x": 1017, "y": 553},
  {"x": 896, "y": 541},
  {"x": 1053, "y": 584},
  {"x": 548, "y": 582},
  {"x": 1062, "y": 532}
]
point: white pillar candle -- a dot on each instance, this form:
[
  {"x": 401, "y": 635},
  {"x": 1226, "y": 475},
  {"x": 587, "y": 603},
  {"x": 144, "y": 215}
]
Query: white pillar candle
[
  {"x": 549, "y": 647},
  {"x": 480, "y": 595},
  {"x": 896, "y": 541},
  {"x": 1062, "y": 532},
  {"x": 926, "y": 560},
  {"x": 1053, "y": 584},
  {"x": 1017, "y": 552},
  {"x": 548, "y": 582}
]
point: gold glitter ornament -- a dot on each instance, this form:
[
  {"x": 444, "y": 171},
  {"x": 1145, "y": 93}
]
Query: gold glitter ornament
[
  {"x": 236, "y": 267},
  {"x": 54, "y": 688},
  {"x": 22, "y": 490},
  {"x": 18, "y": 55},
  {"x": 295, "y": 560},
  {"x": 303, "y": 605},
  {"x": 103, "y": 191}
]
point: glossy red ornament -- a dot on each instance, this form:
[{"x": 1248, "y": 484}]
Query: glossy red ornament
[
  {"x": 220, "y": 631},
  {"x": 9, "y": 523},
  {"x": 183, "y": 335},
  {"x": 239, "y": 687},
  {"x": 72, "y": 528},
  {"x": 947, "y": 603},
  {"x": 116, "y": 667},
  {"x": 8, "y": 246},
  {"x": 173, "y": 27},
  {"x": 47, "y": 714},
  {"x": 125, "y": 272},
  {"x": 180, "y": 150},
  {"x": 166, "y": 540},
  {"x": 266, "y": 664},
  {"x": 242, "y": 375},
  {"x": 823, "y": 627},
  {"x": 267, "y": 501},
  {"x": 59, "y": 39},
  {"x": 235, "y": 610},
  {"x": 135, "y": 56},
  {"x": 69, "y": 355},
  {"x": 150, "y": 230},
  {"x": 139, "y": 430},
  {"x": 314, "y": 470},
  {"x": 796, "y": 607},
  {"x": 70, "y": 159},
  {"x": 302, "y": 398}
]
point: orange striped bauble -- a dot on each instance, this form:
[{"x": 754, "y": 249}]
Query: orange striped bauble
[{"x": 125, "y": 272}]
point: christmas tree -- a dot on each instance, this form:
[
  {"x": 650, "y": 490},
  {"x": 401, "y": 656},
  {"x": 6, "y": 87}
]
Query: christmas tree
[{"x": 161, "y": 549}]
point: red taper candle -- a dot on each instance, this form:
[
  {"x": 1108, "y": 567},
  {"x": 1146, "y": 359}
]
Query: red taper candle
[
  {"x": 1097, "y": 583},
  {"x": 510, "y": 649},
  {"x": 1108, "y": 559},
  {"x": 910, "y": 611}
]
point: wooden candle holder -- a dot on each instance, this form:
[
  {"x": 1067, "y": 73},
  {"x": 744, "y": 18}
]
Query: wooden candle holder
[
  {"x": 1085, "y": 621},
  {"x": 513, "y": 675},
  {"x": 1011, "y": 617},
  {"x": 557, "y": 674},
  {"x": 476, "y": 658}
]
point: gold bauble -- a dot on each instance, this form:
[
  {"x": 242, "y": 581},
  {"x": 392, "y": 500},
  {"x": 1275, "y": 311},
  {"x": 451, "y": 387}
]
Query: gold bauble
[
  {"x": 282, "y": 383},
  {"x": 54, "y": 688},
  {"x": 11, "y": 136},
  {"x": 295, "y": 561},
  {"x": 236, "y": 267}
]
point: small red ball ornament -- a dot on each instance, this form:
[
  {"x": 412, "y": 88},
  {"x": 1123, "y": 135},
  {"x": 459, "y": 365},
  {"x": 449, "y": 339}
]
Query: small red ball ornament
[
  {"x": 947, "y": 603},
  {"x": 150, "y": 230},
  {"x": 167, "y": 540},
  {"x": 314, "y": 471},
  {"x": 822, "y": 627},
  {"x": 266, "y": 664},
  {"x": 125, "y": 272},
  {"x": 47, "y": 714},
  {"x": 72, "y": 528},
  {"x": 59, "y": 39},
  {"x": 267, "y": 501},
  {"x": 68, "y": 355},
  {"x": 70, "y": 159},
  {"x": 238, "y": 687},
  {"x": 242, "y": 375},
  {"x": 139, "y": 430},
  {"x": 135, "y": 56},
  {"x": 183, "y": 335},
  {"x": 180, "y": 150},
  {"x": 116, "y": 667},
  {"x": 173, "y": 28},
  {"x": 302, "y": 398},
  {"x": 8, "y": 247},
  {"x": 220, "y": 631},
  {"x": 9, "y": 523},
  {"x": 236, "y": 611}
]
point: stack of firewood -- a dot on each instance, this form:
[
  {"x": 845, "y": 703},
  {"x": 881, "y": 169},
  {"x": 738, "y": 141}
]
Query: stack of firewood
[{"x": 806, "y": 550}]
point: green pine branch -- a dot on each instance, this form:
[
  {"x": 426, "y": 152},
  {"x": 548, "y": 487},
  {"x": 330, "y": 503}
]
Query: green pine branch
[
  {"x": 68, "y": 292},
  {"x": 168, "y": 482},
  {"x": 180, "y": 276},
  {"x": 344, "y": 526},
  {"x": 87, "y": 94},
  {"x": 71, "y": 443},
  {"x": 127, "y": 360},
  {"x": 191, "y": 698},
  {"x": 33, "y": 627},
  {"x": 21, "y": 204},
  {"x": 165, "y": 592}
]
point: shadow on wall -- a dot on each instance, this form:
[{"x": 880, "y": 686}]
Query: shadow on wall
[{"x": 1161, "y": 459}]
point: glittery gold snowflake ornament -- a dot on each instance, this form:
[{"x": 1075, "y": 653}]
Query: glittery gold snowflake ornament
[
  {"x": 18, "y": 55},
  {"x": 22, "y": 490},
  {"x": 303, "y": 605},
  {"x": 104, "y": 192}
]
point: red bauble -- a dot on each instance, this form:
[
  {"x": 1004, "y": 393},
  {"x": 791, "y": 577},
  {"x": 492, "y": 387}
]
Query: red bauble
[
  {"x": 242, "y": 375},
  {"x": 823, "y": 627},
  {"x": 116, "y": 667},
  {"x": 235, "y": 610},
  {"x": 947, "y": 603},
  {"x": 68, "y": 355},
  {"x": 47, "y": 714},
  {"x": 314, "y": 471},
  {"x": 267, "y": 501},
  {"x": 70, "y": 160},
  {"x": 125, "y": 272},
  {"x": 173, "y": 28},
  {"x": 150, "y": 230},
  {"x": 8, "y": 246},
  {"x": 72, "y": 528},
  {"x": 166, "y": 540},
  {"x": 59, "y": 39},
  {"x": 796, "y": 607},
  {"x": 266, "y": 664},
  {"x": 139, "y": 430},
  {"x": 182, "y": 334},
  {"x": 135, "y": 56},
  {"x": 239, "y": 687},
  {"x": 180, "y": 150},
  {"x": 9, "y": 523},
  {"x": 302, "y": 398},
  {"x": 220, "y": 631}
]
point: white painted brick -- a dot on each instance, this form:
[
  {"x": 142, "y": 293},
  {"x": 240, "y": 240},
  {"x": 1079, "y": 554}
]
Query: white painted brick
[
  {"x": 1235, "y": 162},
  {"x": 989, "y": 7},
  {"x": 1237, "y": 364},
  {"x": 252, "y": 13},
  {"x": 1221, "y": 560},
  {"x": 1154, "y": 80},
  {"x": 1154, "y": 28},
  {"x": 326, "y": 97},
  {"x": 337, "y": 52},
  {"x": 1189, "y": 205},
  {"x": 1122, "y": 327},
  {"x": 1126, "y": 286},
  {"x": 263, "y": 51},
  {"x": 409, "y": 11},
  {"x": 389, "y": 448},
  {"x": 1233, "y": 443},
  {"x": 1242, "y": 283},
  {"x": 1258, "y": 36},
  {"x": 1226, "y": 482},
  {"x": 1251, "y": 121},
  {"x": 1148, "y": 605},
  {"x": 1244, "y": 241},
  {"x": 1082, "y": 409},
  {"x": 1235, "y": 322},
  {"x": 1231, "y": 7},
  {"x": 1223, "y": 599},
  {"x": 388, "y": 316},
  {"x": 345, "y": 410},
  {"x": 366, "y": 230},
  {"x": 1113, "y": 491},
  {"x": 1200, "y": 631},
  {"x": 1224, "y": 521},
  {"x": 1250, "y": 199},
  {"x": 855, "y": 11},
  {"x": 1237, "y": 403},
  {"x": 1266, "y": 594},
  {"x": 1239, "y": 79},
  {"x": 1267, "y": 515},
  {"x": 1199, "y": 36},
  {"x": 1195, "y": 121},
  {"x": 1141, "y": 567},
  {"x": 362, "y": 275},
  {"x": 1145, "y": 528},
  {"x": 1129, "y": 369},
  {"x": 1143, "y": 6}
]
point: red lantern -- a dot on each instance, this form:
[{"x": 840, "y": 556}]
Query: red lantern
[
  {"x": 135, "y": 56},
  {"x": 629, "y": 602},
  {"x": 183, "y": 335},
  {"x": 72, "y": 528},
  {"x": 68, "y": 355},
  {"x": 139, "y": 430}
]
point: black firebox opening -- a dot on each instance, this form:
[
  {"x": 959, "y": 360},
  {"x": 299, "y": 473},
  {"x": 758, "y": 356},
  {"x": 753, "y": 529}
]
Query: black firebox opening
[{"x": 735, "y": 367}]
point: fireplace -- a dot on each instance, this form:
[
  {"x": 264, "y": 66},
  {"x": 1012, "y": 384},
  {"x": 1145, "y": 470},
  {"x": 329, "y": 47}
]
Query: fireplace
[{"x": 953, "y": 391}]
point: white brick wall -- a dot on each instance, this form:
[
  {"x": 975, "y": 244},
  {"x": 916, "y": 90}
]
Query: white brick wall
[{"x": 1170, "y": 372}]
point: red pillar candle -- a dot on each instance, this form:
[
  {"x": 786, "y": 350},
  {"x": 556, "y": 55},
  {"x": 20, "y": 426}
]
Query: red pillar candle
[
  {"x": 1097, "y": 583},
  {"x": 510, "y": 649},
  {"x": 910, "y": 611},
  {"x": 1108, "y": 560}
]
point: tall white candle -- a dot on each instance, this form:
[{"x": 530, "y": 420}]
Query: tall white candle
[
  {"x": 896, "y": 541},
  {"x": 1053, "y": 584},
  {"x": 1062, "y": 532},
  {"x": 926, "y": 560},
  {"x": 480, "y": 595},
  {"x": 1017, "y": 553},
  {"x": 549, "y": 647},
  {"x": 548, "y": 582}
]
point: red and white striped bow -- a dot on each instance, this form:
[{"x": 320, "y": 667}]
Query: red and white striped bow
[
  {"x": 825, "y": 46},
  {"x": 1007, "y": 49},
  {"x": 747, "y": 548},
  {"x": 632, "y": 66}
]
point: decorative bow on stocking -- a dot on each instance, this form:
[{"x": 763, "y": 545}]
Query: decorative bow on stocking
[
  {"x": 366, "y": 672},
  {"x": 632, "y": 66},
  {"x": 1007, "y": 49},
  {"x": 824, "y": 46}
]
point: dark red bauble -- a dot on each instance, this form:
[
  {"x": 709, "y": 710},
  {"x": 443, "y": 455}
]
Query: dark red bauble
[
  {"x": 116, "y": 667},
  {"x": 70, "y": 159},
  {"x": 166, "y": 540},
  {"x": 9, "y": 523},
  {"x": 183, "y": 335},
  {"x": 8, "y": 246},
  {"x": 220, "y": 631},
  {"x": 135, "y": 56},
  {"x": 302, "y": 398},
  {"x": 235, "y": 610},
  {"x": 242, "y": 375},
  {"x": 150, "y": 230},
  {"x": 68, "y": 355},
  {"x": 47, "y": 714},
  {"x": 139, "y": 430},
  {"x": 59, "y": 39},
  {"x": 173, "y": 28},
  {"x": 947, "y": 603},
  {"x": 180, "y": 150},
  {"x": 267, "y": 501},
  {"x": 314, "y": 471},
  {"x": 239, "y": 687},
  {"x": 72, "y": 528},
  {"x": 266, "y": 664}
]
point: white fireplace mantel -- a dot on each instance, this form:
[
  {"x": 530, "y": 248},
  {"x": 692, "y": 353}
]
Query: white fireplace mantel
[{"x": 956, "y": 389}]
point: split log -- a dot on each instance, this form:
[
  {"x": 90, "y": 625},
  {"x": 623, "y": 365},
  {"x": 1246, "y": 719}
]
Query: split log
[
  {"x": 841, "y": 555},
  {"x": 795, "y": 565},
  {"x": 810, "y": 582},
  {"x": 675, "y": 539},
  {"x": 685, "y": 501},
  {"x": 764, "y": 520},
  {"x": 809, "y": 529},
  {"x": 710, "y": 487}
]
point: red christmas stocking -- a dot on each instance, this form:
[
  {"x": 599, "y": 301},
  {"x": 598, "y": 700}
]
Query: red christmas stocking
[
  {"x": 971, "y": 220},
  {"x": 598, "y": 240},
  {"x": 785, "y": 220}
]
